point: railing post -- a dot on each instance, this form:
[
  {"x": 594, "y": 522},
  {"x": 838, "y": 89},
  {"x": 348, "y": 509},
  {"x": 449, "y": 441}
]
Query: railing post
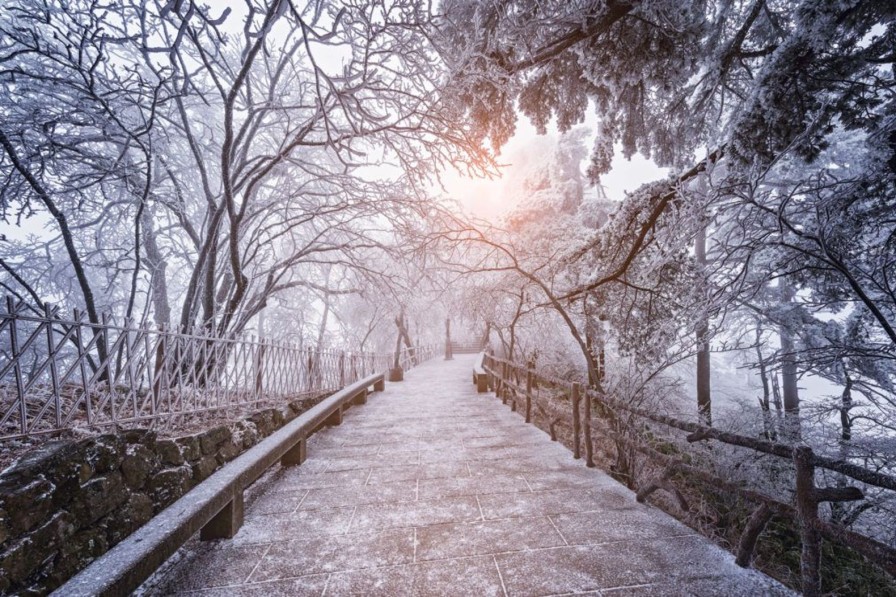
[
  {"x": 17, "y": 367},
  {"x": 589, "y": 447},
  {"x": 576, "y": 424},
  {"x": 498, "y": 380},
  {"x": 511, "y": 393},
  {"x": 807, "y": 511},
  {"x": 504, "y": 376},
  {"x": 529, "y": 393}
]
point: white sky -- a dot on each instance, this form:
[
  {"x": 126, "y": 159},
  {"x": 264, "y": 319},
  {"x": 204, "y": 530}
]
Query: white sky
[{"x": 487, "y": 198}]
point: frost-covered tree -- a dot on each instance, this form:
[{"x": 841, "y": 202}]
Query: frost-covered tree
[
  {"x": 783, "y": 111},
  {"x": 192, "y": 161}
]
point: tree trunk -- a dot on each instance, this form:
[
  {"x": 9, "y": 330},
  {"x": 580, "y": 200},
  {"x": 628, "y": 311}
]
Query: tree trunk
[
  {"x": 789, "y": 387},
  {"x": 704, "y": 395},
  {"x": 156, "y": 265}
]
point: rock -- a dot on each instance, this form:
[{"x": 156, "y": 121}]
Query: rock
[
  {"x": 16, "y": 562},
  {"x": 98, "y": 497},
  {"x": 127, "y": 519},
  {"x": 288, "y": 414},
  {"x": 76, "y": 554},
  {"x": 203, "y": 468},
  {"x": 104, "y": 453},
  {"x": 4, "y": 527},
  {"x": 190, "y": 447},
  {"x": 229, "y": 451},
  {"x": 31, "y": 552},
  {"x": 247, "y": 433},
  {"x": 137, "y": 465},
  {"x": 212, "y": 439},
  {"x": 59, "y": 463},
  {"x": 169, "y": 452},
  {"x": 168, "y": 485},
  {"x": 146, "y": 437},
  {"x": 28, "y": 506},
  {"x": 264, "y": 422}
]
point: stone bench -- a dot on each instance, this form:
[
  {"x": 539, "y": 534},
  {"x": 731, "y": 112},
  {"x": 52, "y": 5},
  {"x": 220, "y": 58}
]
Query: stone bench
[
  {"x": 480, "y": 377},
  {"x": 214, "y": 508}
]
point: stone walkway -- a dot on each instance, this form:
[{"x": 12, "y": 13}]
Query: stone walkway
[{"x": 433, "y": 489}]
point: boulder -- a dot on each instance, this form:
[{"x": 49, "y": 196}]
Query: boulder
[
  {"x": 169, "y": 452},
  {"x": 203, "y": 468},
  {"x": 98, "y": 497},
  {"x": 167, "y": 485},
  {"x": 214, "y": 438},
  {"x": 137, "y": 465},
  {"x": 27, "y": 506},
  {"x": 128, "y": 518},
  {"x": 189, "y": 447}
]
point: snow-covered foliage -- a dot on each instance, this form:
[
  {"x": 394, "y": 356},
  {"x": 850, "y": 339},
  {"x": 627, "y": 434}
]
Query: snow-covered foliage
[{"x": 773, "y": 239}]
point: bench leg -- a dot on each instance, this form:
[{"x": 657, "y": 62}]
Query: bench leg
[
  {"x": 227, "y": 522},
  {"x": 334, "y": 419},
  {"x": 481, "y": 384},
  {"x": 380, "y": 385},
  {"x": 296, "y": 455},
  {"x": 360, "y": 398}
]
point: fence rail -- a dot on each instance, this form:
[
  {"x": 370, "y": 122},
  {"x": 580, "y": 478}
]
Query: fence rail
[
  {"x": 58, "y": 373},
  {"x": 518, "y": 382},
  {"x": 466, "y": 347},
  {"x": 408, "y": 358}
]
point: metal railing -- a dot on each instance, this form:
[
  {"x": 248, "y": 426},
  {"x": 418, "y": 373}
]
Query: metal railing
[
  {"x": 466, "y": 347},
  {"x": 58, "y": 373},
  {"x": 408, "y": 358},
  {"x": 514, "y": 382}
]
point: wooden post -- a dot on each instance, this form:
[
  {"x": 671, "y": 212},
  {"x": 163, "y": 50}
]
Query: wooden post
[
  {"x": 576, "y": 424},
  {"x": 529, "y": 393},
  {"x": 504, "y": 376},
  {"x": 589, "y": 447},
  {"x": 807, "y": 511},
  {"x": 498, "y": 380}
]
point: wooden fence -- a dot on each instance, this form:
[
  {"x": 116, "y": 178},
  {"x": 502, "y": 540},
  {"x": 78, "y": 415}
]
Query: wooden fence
[{"x": 527, "y": 390}]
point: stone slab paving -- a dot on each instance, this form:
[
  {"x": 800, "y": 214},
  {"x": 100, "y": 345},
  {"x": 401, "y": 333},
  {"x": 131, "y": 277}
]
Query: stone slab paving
[{"x": 433, "y": 489}]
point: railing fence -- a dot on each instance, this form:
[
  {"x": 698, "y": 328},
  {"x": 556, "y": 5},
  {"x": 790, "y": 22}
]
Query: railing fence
[
  {"x": 514, "y": 382},
  {"x": 58, "y": 373}
]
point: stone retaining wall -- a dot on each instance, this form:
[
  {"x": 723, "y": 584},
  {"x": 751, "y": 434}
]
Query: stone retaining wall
[{"x": 67, "y": 502}]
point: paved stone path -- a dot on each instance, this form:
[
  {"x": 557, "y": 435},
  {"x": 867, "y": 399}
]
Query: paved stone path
[{"x": 433, "y": 489}]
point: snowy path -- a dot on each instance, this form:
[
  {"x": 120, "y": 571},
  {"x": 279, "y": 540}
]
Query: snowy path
[{"x": 432, "y": 489}]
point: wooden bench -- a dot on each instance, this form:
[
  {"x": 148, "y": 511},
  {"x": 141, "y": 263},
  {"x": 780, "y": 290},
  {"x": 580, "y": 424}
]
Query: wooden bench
[
  {"x": 214, "y": 508},
  {"x": 480, "y": 377}
]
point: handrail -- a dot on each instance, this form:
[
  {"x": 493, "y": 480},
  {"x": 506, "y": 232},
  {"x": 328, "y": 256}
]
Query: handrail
[
  {"x": 58, "y": 373},
  {"x": 702, "y": 432},
  {"x": 213, "y": 507},
  {"x": 504, "y": 376},
  {"x": 416, "y": 355}
]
